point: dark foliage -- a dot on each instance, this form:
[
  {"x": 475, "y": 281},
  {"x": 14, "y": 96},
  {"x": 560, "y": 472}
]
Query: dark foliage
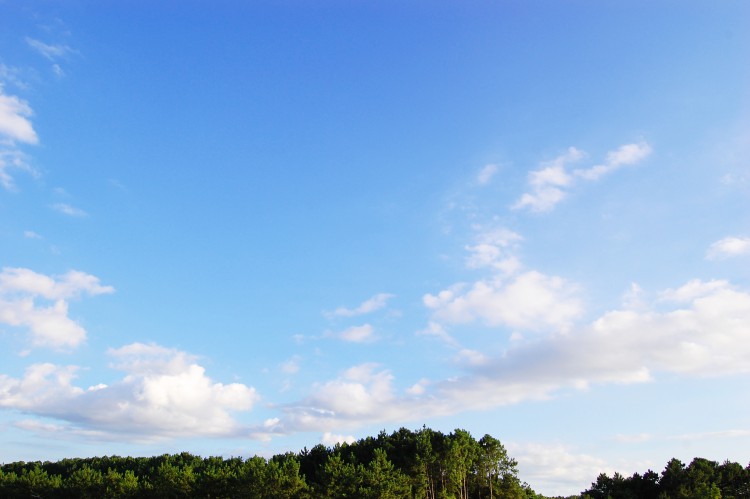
[
  {"x": 423, "y": 464},
  {"x": 405, "y": 464},
  {"x": 701, "y": 479}
]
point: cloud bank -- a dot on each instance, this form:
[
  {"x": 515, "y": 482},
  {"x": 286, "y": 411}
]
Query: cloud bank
[{"x": 163, "y": 393}]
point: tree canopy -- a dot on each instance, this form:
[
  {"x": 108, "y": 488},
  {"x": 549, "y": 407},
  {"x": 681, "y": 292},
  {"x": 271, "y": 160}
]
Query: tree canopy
[{"x": 424, "y": 464}]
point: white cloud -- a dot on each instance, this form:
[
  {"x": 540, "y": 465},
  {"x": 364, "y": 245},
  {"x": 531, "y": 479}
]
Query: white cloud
[
  {"x": 486, "y": 174},
  {"x": 14, "y": 120},
  {"x": 51, "y": 52},
  {"x": 49, "y": 325},
  {"x": 30, "y": 234},
  {"x": 164, "y": 393},
  {"x": 707, "y": 335},
  {"x": 551, "y": 183},
  {"x": 548, "y": 182},
  {"x": 358, "y": 334},
  {"x": 693, "y": 289},
  {"x": 69, "y": 210},
  {"x": 494, "y": 250},
  {"x": 291, "y": 366},
  {"x": 556, "y": 469},
  {"x": 419, "y": 387},
  {"x": 12, "y": 159},
  {"x": 689, "y": 437},
  {"x": 729, "y": 247},
  {"x": 373, "y": 304},
  {"x": 331, "y": 439},
  {"x": 361, "y": 394},
  {"x": 530, "y": 300},
  {"x": 11, "y": 75},
  {"x": 437, "y": 330},
  {"x": 69, "y": 285},
  {"x": 474, "y": 358},
  {"x": 15, "y": 126},
  {"x": 628, "y": 154}
]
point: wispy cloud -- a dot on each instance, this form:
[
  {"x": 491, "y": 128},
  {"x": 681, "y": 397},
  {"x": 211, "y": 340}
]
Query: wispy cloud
[
  {"x": 69, "y": 210},
  {"x": 291, "y": 366},
  {"x": 729, "y": 247},
  {"x": 30, "y": 234},
  {"x": 486, "y": 174},
  {"x": 551, "y": 183},
  {"x": 373, "y": 304},
  {"x": 12, "y": 158},
  {"x": 51, "y": 52},
  {"x": 628, "y": 154},
  {"x": 358, "y": 334},
  {"x": 684, "y": 437},
  {"x": 15, "y": 128},
  {"x": 548, "y": 183}
]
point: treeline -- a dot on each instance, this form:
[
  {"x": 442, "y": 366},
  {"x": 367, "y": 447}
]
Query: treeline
[
  {"x": 701, "y": 479},
  {"x": 423, "y": 464},
  {"x": 405, "y": 464}
]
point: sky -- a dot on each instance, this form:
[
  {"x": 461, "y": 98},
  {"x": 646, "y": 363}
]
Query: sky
[{"x": 238, "y": 228}]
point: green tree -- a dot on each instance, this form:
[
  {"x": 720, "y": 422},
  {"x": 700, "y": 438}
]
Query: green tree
[
  {"x": 282, "y": 478},
  {"x": 460, "y": 458},
  {"x": 86, "y": 482},
  {"x": 172, "y": 481},
  {"x": 496, "y": 467},
  {"x": 342, "y": 479},
  {"x": 120, "y": 485},
  {"x": 381, "y": 480}
]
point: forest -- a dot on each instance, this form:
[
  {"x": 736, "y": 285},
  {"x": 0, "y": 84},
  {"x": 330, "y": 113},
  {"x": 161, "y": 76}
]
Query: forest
[{"x": 404, "y": 464}]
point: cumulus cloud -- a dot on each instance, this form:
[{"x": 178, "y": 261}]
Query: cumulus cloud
[
  {"x": 494, "y": 249},
  {"x": 373, "y": 304},
  {"x": 331, "y": 439},
  {"x": 164, "y": 393},
  {"x": 729, "y": 247},
  {"x": 556, "y": 469},
  {"x": 551, "y": 183},
  {"x": 531, "y": 300},
  {"x": 49, "y": 325},
  {"x": 15, "y": 125},
  {"x": 706, "y": 332},
  {"x": 363, "y": 393}
]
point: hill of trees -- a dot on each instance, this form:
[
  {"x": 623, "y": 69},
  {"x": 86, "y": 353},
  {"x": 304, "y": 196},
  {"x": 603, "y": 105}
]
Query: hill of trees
[{"x": 405, "y": 464}]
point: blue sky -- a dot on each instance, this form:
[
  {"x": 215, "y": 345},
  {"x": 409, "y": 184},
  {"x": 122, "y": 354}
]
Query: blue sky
[{"x": 250, "y": 227}]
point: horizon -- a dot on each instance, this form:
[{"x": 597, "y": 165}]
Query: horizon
[{"x": 249, "y": 228}]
